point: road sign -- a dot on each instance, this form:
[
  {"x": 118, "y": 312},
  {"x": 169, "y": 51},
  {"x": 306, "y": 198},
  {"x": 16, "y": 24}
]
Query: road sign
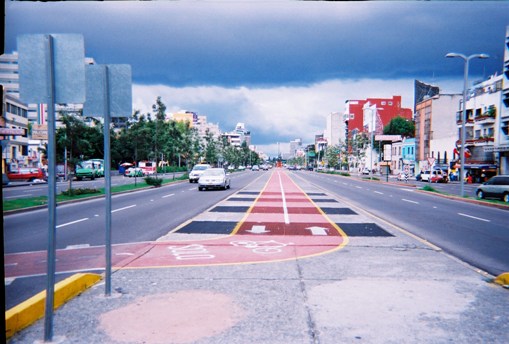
[
  {"x": 431, "y": 161},
  {"x": 108, "y": 87},
  {"x": 64, "y": 54}
]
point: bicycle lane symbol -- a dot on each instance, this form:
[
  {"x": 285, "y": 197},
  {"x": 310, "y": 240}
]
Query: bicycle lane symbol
[{"x": 262, "y": 247}]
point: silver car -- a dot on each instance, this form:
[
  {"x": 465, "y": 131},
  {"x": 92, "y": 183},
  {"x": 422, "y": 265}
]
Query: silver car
[
  {"x": 496, "y": 187},
  {"x": 196, "y": 172},
  {"x": 214, "y": 178}
]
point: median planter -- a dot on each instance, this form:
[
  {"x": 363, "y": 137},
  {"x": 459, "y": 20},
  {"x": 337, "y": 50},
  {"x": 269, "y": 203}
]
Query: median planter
[{"x": 154, "y": 181}]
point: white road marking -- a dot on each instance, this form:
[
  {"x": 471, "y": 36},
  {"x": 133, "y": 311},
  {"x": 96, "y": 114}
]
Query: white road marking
[
  {"x": 191, "y": 189},
  {"x": 72, "y": 222},
  {"x": 474, "y": 217},
  {"x": 74, "y": 247},
  {"x": 359, "y": 187},
  {"x": 168, "y": 195},
  {"x": 285, "y": 209},
  {"x": 378, "y": 192},
  {"x": 409, "y": 201},
  {"x": 124, "y": 208}
]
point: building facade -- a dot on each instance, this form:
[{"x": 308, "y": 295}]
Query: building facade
[
  {"x": 501, "y": 147},
  {"x": 436, "y": 129},
  {"x": 387, "y": 108},
  {"x": 14, "y": 146},
  {"x": 335, "y": 129}
]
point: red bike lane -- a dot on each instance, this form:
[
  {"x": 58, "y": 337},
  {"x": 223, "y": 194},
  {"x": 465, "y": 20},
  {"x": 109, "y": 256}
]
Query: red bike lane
[{"x": 283, "y": 223}]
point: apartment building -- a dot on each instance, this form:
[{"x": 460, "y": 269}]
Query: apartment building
[{"x": 436, "y": 129}]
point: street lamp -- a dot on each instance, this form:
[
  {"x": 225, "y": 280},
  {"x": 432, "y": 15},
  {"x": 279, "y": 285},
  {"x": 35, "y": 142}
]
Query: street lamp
[{"x": 464, "y": 113}]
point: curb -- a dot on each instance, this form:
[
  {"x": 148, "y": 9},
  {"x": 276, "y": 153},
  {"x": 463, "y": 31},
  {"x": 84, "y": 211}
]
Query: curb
[
  {"x": 29, "y": 311},
  {"x": 503, "y": 280}
]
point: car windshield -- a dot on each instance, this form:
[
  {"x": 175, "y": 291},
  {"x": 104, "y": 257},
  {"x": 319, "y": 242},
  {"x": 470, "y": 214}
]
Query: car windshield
[
  {"x": 213, "y": 172},
  {"x": 200, "y": 168}
]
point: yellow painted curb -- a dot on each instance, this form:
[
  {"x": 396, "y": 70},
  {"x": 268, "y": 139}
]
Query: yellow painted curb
[
  {"x": 502, "y": 279},
  {"x": 27, "y": 312}
]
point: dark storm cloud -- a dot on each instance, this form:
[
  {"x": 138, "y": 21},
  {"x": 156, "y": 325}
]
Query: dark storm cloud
[{"x": 238, "y": 43}]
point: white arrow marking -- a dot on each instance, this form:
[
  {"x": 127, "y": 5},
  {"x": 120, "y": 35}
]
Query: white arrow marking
[
  {"x": 318, "y": 230},
  {"x": 257, "y": 230}
]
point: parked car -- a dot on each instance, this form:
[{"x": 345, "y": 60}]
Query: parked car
[
  {"x": 134, "y": 172},
  {"x": 197, "y": 171},
  {"x": 87, "y": 169},
  {"x": 366, "y": 170},
  {"x": 27, "y": 173},
  {"x": 214, "y": 178},
  {"x": 495, "y": 187},
  {"x": 439, "y": 176},
  {"x": 255, "y": 168}
]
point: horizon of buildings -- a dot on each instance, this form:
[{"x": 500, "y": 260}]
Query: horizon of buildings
[{"x": 437, "y": 118}]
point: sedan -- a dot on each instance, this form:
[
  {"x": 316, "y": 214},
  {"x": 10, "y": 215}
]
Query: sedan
[
  {"x": 496, "y": 187},
  {"x": 214, "y": 178},
  {"x": 134, "y": 172}
]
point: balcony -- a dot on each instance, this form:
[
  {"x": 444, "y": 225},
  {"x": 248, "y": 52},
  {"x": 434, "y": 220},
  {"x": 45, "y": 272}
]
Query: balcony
[
  {"x": 481, "y": 141},
  {"x": 488, "y": 116}
]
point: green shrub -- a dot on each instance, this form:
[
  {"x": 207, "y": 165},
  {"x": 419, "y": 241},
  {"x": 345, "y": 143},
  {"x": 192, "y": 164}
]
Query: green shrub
[
  {"x": 79, "y": 191},
  {"x": 428, "y": 188},
  {"x": 154, "y": 181}
]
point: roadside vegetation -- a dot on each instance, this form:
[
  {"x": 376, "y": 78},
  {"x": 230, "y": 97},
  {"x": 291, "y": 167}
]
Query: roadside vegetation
[{"x": 82, "y": 193}]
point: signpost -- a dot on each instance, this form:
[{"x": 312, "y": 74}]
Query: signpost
[
  {"x": 51, "y": 71},
  {"x": 108, "y": 95}
]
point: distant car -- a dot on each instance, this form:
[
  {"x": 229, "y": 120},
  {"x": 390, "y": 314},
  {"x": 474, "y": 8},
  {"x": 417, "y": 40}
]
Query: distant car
[
  {"x": 134, "y": 172},
  {"x": 401, "y": 176},
  {"x": 366, "y": 170},
  {"x": 265, "y": 167},
  {"x": 437, "y": 176},
  {"x": 241, "y": 168},
  {"x": 214, "y": 178},
  {"x": 197, "y": 171},
  {"x": 86, "y": 169},
  {"x": 495, "y": 187},
  {"x": 255, "y": 168},
  {"x": 27, "y": 173}
]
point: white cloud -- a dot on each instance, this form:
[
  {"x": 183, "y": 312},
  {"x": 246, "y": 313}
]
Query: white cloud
[{"x": 276, "y": 114}]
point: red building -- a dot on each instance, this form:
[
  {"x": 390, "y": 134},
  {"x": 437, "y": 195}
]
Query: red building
[{"x": 387, "y": 108}]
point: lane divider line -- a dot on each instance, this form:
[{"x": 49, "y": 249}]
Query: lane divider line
[
  {"x": 474, "y": 217},
  {"x": 72, "y": 222},
  {"x": 285, "y": 209},
  {"x": 124, "y": 208},
  {"x": 409, "y": 201}
]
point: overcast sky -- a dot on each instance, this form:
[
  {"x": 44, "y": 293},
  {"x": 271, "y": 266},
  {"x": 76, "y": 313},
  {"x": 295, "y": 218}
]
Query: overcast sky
[{"x": 278, "y": 66}]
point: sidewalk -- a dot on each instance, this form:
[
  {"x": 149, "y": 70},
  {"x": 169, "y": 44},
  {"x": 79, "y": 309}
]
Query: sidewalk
[{"x": 382, "y": 287}]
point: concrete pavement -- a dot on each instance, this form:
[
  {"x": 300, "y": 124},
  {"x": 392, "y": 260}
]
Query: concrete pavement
[{"x": 383, "y": 286}]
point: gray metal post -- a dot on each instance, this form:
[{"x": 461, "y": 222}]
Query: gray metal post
[
  {"x": 107, "y": 179},
  {"x": 463, "y": 129},
  {"x": 52, "y": 190}
]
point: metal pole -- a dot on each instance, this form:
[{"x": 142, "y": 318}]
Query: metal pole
[
  {"x": 52, "y": 190},
  {"x": 463, "y": 130},
  {"x": 107, "y": 179},
  {"x": 464, "y": 113},
  {"x": 372, "y": 143}
]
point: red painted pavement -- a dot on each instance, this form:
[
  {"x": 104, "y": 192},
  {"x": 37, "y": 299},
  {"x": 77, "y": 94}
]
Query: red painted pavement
[{"x": 264, "y": 235}]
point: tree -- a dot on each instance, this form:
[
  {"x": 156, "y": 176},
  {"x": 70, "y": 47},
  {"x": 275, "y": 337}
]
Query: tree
[
  {"x": 332, "y": 155},
  {"x": 400, "y": 126}
]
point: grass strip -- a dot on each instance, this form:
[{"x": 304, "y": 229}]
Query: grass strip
[{"x": 22, "y": 203}]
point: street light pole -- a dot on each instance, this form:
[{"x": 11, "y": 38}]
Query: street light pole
[{"x": 464, "y": 113}]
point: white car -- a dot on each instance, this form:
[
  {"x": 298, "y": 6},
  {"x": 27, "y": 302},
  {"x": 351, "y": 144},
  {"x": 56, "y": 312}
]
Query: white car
[
  {"x": 214, "y": 178},
  {"x": 197, "y": 171}
]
